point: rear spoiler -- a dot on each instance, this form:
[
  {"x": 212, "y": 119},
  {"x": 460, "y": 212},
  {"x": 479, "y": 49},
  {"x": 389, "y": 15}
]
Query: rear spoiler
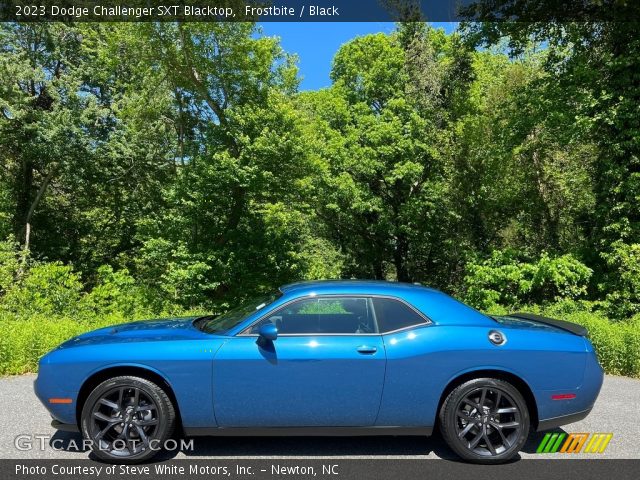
[{"x": 568, "y": 326}]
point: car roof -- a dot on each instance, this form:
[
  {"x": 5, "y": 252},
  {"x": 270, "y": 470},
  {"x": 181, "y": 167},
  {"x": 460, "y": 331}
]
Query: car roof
[
  {"x": 436, "y": 305},
  {"x": 353, "y": 286}
]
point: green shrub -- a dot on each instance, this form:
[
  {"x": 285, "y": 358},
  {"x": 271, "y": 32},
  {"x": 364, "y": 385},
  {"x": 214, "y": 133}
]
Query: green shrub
[
  {"x": 116, "y": 292},
  {"x": 623, "y": 282},
  {"x": 173, "y": 275},
  {"x": 506, "y": 280},
  {"x": 9, "y": 264},
  {"x": 632, "y": 347},
  {"x": 24, "y": 340},
  {"x": 47, "y": 288},
  {"x": 46, "y": 305}
]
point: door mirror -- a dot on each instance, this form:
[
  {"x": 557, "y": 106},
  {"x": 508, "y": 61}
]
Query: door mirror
[{"x": 268, "y": 331}]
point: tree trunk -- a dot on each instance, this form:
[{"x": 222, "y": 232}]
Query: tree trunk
[
  {"x": 23, "y": 200},
  {"x": 378, "y": 270},
  {"x": 30, "y": 212},
  {"x": 238, "y": 197},
  {"x": 400, "y": 257}
]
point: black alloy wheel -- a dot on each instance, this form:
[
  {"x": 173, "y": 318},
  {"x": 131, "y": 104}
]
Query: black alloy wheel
[
  {"x": 127, "y": 419},
  {"x": 485, "y": 420}
]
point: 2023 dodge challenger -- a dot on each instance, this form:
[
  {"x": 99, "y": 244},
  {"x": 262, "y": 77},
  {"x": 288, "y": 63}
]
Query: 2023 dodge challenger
[{"x": 325, "y": 358}]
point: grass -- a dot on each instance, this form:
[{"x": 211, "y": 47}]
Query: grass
[
  {"x": 24, "y": 341},
  {"x": 616, "y": 343}
]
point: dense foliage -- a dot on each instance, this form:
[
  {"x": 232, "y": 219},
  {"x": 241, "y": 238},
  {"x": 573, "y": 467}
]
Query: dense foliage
[{"x": 161, "y": 168}]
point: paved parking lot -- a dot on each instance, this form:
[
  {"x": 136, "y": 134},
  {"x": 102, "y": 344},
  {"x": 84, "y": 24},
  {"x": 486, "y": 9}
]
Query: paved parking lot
[{"x": 617, "y": 410}]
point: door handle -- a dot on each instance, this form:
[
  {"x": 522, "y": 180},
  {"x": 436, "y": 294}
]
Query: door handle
[{"x": 366, "y": 349}]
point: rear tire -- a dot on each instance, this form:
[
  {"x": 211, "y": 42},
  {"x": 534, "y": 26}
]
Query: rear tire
[
  {"x": 485, "y": 420},
  {"x": 128, "y": 419}
]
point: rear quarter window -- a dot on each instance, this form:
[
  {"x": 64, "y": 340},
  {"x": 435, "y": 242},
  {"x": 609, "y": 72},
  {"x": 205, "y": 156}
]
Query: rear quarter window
[{"x": 393, "y": 315}]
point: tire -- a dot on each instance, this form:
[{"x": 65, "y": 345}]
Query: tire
[
  {"x": 485, "y": 420},
  {"x": 127, "y": 419}
]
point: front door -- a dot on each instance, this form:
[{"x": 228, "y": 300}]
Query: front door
[{"x": 325, "y": 369}]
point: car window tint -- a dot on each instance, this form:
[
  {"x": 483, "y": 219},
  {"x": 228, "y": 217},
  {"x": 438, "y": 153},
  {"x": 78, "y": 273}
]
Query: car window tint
[
  {"x": 328, "y": 315},
  {"x": 394, "y": 315}
]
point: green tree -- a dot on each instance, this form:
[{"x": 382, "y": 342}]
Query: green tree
[
  {"x": 86, "y": 134},
  {"x": 591, "y": 75},
  {"x": 386, "y": 142},
  {"x": 524, "y": 170},
  {"x": 234, "y": 221}
]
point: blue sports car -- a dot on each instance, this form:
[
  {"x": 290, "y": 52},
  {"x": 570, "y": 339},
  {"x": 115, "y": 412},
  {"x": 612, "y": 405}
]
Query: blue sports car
[{"x": 325, "y": 358}]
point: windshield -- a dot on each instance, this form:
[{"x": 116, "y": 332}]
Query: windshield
[{"x": 220, "y": 323}]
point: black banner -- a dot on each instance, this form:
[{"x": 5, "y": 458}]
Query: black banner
[
  {"x": 322, "y": 469},
  {"x": 320, "y": 10}
]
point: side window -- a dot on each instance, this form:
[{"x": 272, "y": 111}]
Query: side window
[
  {"x": 394, "y": 315},
  {"x": 323, "y": 315}
]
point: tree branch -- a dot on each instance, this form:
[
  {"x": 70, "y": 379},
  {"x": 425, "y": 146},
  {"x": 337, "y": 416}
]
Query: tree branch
[
  {"x": 34, "y": 205},
  {"x": 41, "y": 190}
]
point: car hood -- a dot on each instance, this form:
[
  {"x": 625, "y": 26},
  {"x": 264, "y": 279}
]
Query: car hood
[{"x": 161, "y": 329}]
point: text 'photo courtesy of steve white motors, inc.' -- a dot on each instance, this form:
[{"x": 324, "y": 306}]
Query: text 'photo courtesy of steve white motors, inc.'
[{"x": 168, "y": 470}]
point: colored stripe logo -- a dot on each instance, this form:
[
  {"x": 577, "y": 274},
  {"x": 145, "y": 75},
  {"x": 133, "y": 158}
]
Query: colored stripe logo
[
  {"x": 574, "y": 443},
  {"x": 598, "y": 442}
]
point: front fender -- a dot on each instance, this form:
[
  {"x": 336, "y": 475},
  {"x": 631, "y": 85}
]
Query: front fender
[{"x": 185, "y": 365}]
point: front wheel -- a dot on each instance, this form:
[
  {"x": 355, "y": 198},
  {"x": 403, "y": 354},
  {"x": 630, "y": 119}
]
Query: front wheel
[
  {"x": 127, "y": 419},
  {"x": 485, "y": 420}
]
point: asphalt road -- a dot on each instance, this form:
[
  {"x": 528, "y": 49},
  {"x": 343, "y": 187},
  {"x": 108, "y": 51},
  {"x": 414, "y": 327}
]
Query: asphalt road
[{"x": 617, "y": 410}]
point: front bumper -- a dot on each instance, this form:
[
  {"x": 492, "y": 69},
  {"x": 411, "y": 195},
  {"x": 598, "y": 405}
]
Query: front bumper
[{"x": 46, "y": 389}]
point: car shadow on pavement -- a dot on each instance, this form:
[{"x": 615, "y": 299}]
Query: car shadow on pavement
[
  {"x": 309, "y": 447},
  {"x": 285, "y": 446},
  {"x": 67, "y": 442},
  {"x": 319, "y": 446},
  {"x": 322, "y": 447}
]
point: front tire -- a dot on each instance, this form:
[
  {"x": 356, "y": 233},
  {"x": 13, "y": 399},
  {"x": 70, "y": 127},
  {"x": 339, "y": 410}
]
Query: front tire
[
  {"x": 127, "y": 419},
  {"x": 485, "y": 420}
]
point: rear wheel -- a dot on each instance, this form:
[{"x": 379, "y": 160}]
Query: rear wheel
[
  {"x": 128, "y": 419},
  {"x": 485, "y": 420}
]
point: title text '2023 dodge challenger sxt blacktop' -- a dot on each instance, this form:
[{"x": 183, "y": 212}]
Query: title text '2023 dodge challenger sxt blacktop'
[{"x": 325, "y": 358}]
